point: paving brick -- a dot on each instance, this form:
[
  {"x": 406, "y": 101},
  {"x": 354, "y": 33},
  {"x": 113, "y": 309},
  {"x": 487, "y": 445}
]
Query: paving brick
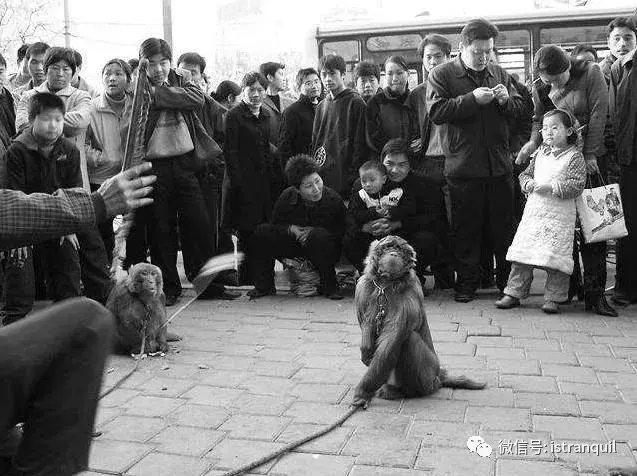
[
  {"x": 548, "y": 404},
  {"x": 568, "y": 336},
  {"x": 508, "y": 467},
  {"x": 257, "y": 427},
  {"x": 491, "y": 341},
  {"x": 622, "y": 433},
  {"x": 540, "y": 345},
  {"x": 500, "y": 352},
  {"x": 186, "y": 440},
  {"x": 331, "y": 443},
  {"x": 116, "y": 456},
  {"x": 377, "y": 422},
  {"x": 552, "y": 325},
  {"x": 619, "y": 456},
  {"x": 320, "y": 376},
  {"x": 442, "y": 433},
  {"x": 462, "y": 361},
  {"x": 610, "y": 412},
  {"x": 320, "y": 392},
  {"x": 585, "y": 391},
  {"x": 132, "y": 428},
  {"x": 250, "y": 403},
  {"x": 453, "y": 461},
  {"x": 232, "y": 454},
  {"x": 434, "y": 409},
  {"x": 309, "y": 412},
  {"x": 158, "y": 464},
  {"x": 215, "y": 396},
  {"x": 615, "y": 341},
  {"x": 570, "y": 373},
  {"x": 546, "y": 357},
  {"x": 491, "y": 396},
  {"x": 360, "y": 470},
  {"x": 119, "y": 397},
  {"x": 626, "y": 352},
  {"x": 529, "y": 383},
  {"x": 271, "y": 368},
  {"x": 442, "y": 336},
  {"x": 152, "y": 406},
  {"x": 106, "y": 414},
  {"x": 600, "y": 350},
  {"x": 269, "y": 385},
  {"x": 202, "y": 416},
  {"x": 629, "y": 395},
  {"x": 165, "y": 387},
  {"x": 481, "y": 330},
  {"x": 497, "y": 418},
  {"x": 515, "y": 366},
  {"x": 455, "y": 348},
  {"x": 378, "y": 449},
  {"x": 295, "y": 464},
  {"x": 606, "y": 364},
  {"x": 562, "y": 427},
  {"x": 623, "y": 380},
  {"x": 278, "y": 354}
]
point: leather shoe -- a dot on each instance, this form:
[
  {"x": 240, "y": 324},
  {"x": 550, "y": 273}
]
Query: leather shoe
[
  {"x": 621, "y": 299},
  {"x": 602, "y": 308},
  {"x": 507, "y": 302},
  {"x": 550, "y": 307},
  {"x": 464, "y": 297},
  {"x": 257, "y": 293}
]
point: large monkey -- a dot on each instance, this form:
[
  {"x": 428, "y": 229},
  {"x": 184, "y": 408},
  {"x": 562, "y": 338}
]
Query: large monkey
[
  {"x": 396, "y": 343},
  {"x": 139, "y": 306}
]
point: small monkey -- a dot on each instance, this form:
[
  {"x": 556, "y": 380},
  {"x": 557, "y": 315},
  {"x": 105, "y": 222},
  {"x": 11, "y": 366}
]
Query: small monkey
[{"x": 139, "y": 306}]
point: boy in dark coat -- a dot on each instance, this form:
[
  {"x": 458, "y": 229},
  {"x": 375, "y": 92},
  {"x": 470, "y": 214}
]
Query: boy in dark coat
[
  {"x": 338, "y": 136},
  {"x": 41, "y": 160},
  {"x": 308, "y": 221}
]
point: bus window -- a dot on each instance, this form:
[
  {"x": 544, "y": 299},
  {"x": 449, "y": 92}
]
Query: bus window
[
  {"x": 393, "y": 42},
  {"x": 347, "y": 49},
  {"x": 568, "y": 37}
]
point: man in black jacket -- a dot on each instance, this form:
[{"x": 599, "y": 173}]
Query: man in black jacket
[
  {"x": 295, "y": 136},
  {"x": 475, "y": 100},
  {"x": 309, "y": 221}
]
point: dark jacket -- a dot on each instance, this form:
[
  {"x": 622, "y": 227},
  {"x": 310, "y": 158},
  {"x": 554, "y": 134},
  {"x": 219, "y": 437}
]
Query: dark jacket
[
  {"x": 584, "y": 95},
  {"x": 606, "y": 65},
  {"x": 389, "y": 117},
  {"x": 179, "y": 94},
  {"x": 623, "y": 108},
  {"x": 417, "y": 101},
  {"x": 521, "y": 127},
  {"x": 275, "y": 116},
  {"x": 295, "y": 136},
  {"x": 338, "y": 139},
  {"x": 328, "y": 212},
  {"x": 429, "y": 211},
  {"x": 475, "y": 138},
  {"x": 358, "y": 214},
  {"x": 211, "y": 116},
  {"x": 30, "y": 171},
  {"x": 250, "y": 167}
]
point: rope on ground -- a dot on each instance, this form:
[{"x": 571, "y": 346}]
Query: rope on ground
[{"x": 293, "y": 445}]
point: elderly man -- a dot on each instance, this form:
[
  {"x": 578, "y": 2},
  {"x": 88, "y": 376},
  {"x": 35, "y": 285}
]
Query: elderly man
[
  {"x": 51, "y": 363},
  {"x": 475, "y": 100}
]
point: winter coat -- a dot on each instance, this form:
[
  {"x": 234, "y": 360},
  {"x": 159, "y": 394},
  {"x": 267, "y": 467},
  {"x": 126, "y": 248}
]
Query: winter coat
[
  {"x": 106, "y": 138},
  {"x": 544, "y": 237},
  {"x": 389, "y": 117},
  {"x": 475, "y": 138},
  {"x": 30, "y": 171},
  {"x": 275, "y": 116},
  {"x": 295, "y": 136},
  {"x": 338, "y": 139},
  {"x": 417, "y": 102},
  {"x": 623, "y": 108},
  {"x": 250, "y": 167},
  {"x": 328, "y": 212},
  {"x": 584, "y": 95},
  {"x": 78, "y": 114}
]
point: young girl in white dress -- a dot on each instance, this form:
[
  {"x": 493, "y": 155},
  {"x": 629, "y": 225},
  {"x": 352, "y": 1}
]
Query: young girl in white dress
[{"x": 553, "y": 180}]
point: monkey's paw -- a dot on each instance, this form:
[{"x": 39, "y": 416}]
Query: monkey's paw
[{"x": 360, "y": 402}]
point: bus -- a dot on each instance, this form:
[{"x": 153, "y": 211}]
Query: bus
[{"x": 521, "y": 35}]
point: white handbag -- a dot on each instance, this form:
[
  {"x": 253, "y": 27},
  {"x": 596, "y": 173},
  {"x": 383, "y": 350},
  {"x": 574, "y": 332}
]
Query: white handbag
[{"x": 601, "y": 213}]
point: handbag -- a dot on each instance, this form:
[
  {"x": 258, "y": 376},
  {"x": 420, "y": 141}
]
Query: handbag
[
  {"x": 206, "y": 152},
  {"x": 171, "y": 137},
  {"x": 303, "y": 276},
  {"x": 601, "y": 213}
]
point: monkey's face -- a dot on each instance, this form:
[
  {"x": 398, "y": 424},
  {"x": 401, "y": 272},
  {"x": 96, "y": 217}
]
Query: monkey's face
[
  {"x": 145, "y": 279},
  {"x": 391, "y": 258}
]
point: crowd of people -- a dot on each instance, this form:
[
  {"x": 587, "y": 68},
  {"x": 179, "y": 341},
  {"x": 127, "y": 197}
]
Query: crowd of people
[{"x": 322, "y": 177}]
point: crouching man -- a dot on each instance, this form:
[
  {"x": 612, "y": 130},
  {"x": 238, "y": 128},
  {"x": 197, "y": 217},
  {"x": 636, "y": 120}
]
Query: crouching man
[{"x": 308, "y": 221}]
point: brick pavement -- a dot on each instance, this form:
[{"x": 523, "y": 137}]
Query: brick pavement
[{"x": 251, "y": 376}]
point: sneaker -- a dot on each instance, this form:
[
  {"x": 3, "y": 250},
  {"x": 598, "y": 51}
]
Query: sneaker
[
  {"x": 507, "y": 302},
  {"x": 550, "y": 307}
]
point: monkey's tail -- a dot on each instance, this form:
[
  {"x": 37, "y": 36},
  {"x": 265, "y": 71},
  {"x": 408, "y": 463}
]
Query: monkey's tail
[{"x": 460, "y": 381}]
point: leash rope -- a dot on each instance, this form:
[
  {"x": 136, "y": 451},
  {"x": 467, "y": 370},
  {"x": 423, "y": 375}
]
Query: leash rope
[{"x": 289, "y": 447}]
